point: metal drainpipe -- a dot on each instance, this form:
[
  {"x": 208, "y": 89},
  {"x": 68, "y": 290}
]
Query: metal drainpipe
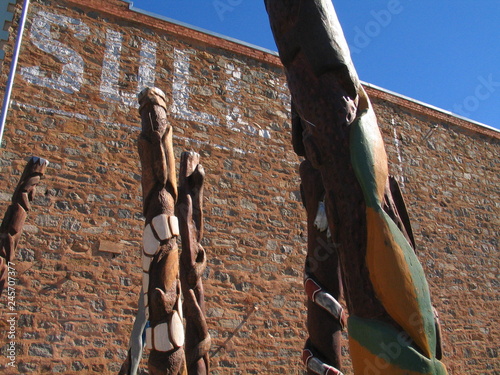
[{"x": 13, "y": 66}]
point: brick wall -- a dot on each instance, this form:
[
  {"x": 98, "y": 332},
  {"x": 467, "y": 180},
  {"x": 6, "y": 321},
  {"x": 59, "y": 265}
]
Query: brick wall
[{"x": 78, "y": 265}]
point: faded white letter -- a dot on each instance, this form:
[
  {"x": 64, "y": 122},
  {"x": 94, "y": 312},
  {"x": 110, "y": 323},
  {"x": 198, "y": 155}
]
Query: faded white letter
[
  {"x": 71, "y": 77},
  {"x": 111, "y": 69}
]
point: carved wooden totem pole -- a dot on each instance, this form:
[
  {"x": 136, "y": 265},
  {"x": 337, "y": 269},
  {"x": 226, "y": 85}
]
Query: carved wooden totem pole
[
  {"x": 193, "y": 262},
  {"x": 172, "y": 351},
  {"x": 13, "y": 222},
  {"x": 322, "y": 282},
  {"x": 391, "y": 326},
  {"x": 160, "y": 258}
]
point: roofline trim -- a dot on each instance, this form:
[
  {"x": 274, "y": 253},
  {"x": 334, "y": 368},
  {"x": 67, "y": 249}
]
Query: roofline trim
[
  {"x": 274, "y": 53},
  {"x": 441, "y": 114},
  {"x": 199, "y": 29},
  {"x": 430, "y": 106}
]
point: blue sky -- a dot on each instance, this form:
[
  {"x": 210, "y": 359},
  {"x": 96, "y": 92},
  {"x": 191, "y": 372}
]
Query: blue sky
[{"x": 442, "y": 52}]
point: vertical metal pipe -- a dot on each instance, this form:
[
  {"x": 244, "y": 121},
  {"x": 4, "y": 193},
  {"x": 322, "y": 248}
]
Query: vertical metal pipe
[{"x": 13, "y": 66}]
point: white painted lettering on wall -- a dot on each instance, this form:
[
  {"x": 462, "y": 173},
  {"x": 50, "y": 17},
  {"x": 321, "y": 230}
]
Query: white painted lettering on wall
[
  {"x": 233, "y": 96},
  {"x": 110, "y": 76},
  {"x": 70, "y": 78},
  {"x": 180, "y": 92},
  {"x": 234, "y": 116},
  {"x": 44, "y": 35}
]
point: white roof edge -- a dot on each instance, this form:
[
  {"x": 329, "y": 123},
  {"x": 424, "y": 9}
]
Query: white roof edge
[
  {"x": 196, "y": 28},
  {"x": 430, "y": 106},
  {"x": 253, "y": 46}
]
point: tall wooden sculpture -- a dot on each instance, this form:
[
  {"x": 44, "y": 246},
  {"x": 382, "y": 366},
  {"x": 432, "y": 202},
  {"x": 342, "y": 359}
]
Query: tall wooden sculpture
[
  {"x": 193, "y": 262},
  {"x": 160, "y": 303},
  {"x": 13, "y": 222},
  {"x": 391, "y": 326},
  {"x": 160, "y": 258},
  {"x": 325, "y": 317}
]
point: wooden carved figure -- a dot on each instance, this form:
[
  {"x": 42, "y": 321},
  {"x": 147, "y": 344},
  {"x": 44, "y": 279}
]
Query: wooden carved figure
[
  {"x": 13, "y": 222},
  {"x": 193, "y": 262},
  {"x": 160, "y": 258},
  {"x": 322, "y": 282},
  {"x": 391, "y": 325}
]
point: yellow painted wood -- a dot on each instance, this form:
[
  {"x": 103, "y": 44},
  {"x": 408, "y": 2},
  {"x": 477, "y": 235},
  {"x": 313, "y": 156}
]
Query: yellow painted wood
[{"x": 392, "y": 280}]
